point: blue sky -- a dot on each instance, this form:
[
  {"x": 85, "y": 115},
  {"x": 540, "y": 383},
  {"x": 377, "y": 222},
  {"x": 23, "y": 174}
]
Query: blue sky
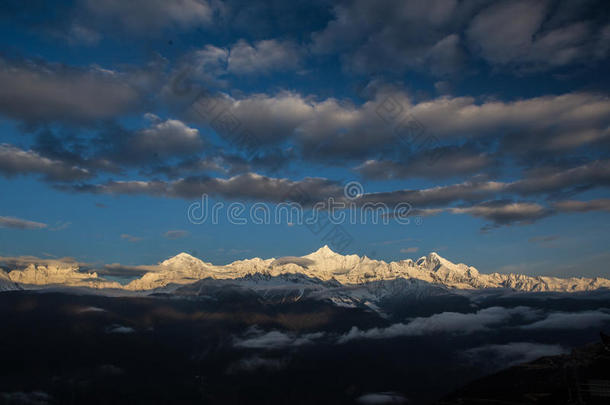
[{"x": 104, "y": 147}]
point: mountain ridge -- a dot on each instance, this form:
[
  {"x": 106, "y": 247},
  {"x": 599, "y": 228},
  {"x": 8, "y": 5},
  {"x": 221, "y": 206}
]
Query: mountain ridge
[{"x": 324, "y": 264}]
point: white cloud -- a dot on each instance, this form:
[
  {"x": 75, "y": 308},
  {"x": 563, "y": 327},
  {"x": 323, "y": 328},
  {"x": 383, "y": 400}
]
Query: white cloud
[
  {"x": 34, "y": 397},
  {"x": 381, "y": 398},
  {"x": 90, "y": 309},
  {"x": 165, "y": 138},
  {"x": 255, "y": 338},
  {"x": 209, "y": 64},
  {"x": 212, "y": 64},
  {"x": 120, "y": 329},
  {"x": 176, "y": 234},
  {"x": 445, "y": 322},
  {"x": 572, "y": 320},
  {"x": 263, "y": 57},
  {"x": 131, "y": 238},
  {"x": 18, "y": 223}
]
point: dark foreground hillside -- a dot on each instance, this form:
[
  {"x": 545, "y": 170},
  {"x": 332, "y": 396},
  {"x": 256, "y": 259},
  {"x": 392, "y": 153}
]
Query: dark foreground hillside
[
  {"x": 85, "y": 349},
  {"x": 581, "y": 377}
]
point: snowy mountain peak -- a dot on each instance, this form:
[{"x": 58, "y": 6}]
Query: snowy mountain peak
[
  {"x": 185, "y": 256},
  {"x": 323, "y": 264},
  {"x": 444, "y": 268},
  {"x": 432, "y": 260},
  {"x": 183, "y": 260},
  {"x": 324, "y": 251}
]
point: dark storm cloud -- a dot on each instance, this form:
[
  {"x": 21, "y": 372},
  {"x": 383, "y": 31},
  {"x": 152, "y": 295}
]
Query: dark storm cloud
[
  {"x": 252, "y": 186},
  {"x": 601, "y": 204},
  {"x": 329, "y": 129},
  {"x": 249, "y": 186},
  {"x": 444, "y": 36},
  {"x": 192, "y": 167},
  {"x": 540, "y": 145},
  {"x": 38, "y": 92},
  {"x": 155, "y": 188},
  {"x": 453, "y": 161},
  {"x": 334, "y": 130},
  {"x": 322, "y": 129},
  {"x": 555, "y": 116},
  {"x": 505, "y": 212},
  {"x": 469, "y": 191},
  {"x": 550, "y": 180},
  {"x": 387, "y": 35},
  {"x": 15, "y": 161},
  {"x": 268, "y": 118},
  {"x": 62, "y": 156},
  {"x": 495, "y": 212},
  {"x": 479, "y": 195},
  {"x": 70, "y": 149},
  {"x": 537, "y": 182},
  {"x": 542, "y": 34},
  {"x": 489, "y": 200},
  {"x": 269, "y": 160}
]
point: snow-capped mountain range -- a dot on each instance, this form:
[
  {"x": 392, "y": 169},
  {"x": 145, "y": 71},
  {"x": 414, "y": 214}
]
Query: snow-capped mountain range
[{"x": 321, "y": 269}]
